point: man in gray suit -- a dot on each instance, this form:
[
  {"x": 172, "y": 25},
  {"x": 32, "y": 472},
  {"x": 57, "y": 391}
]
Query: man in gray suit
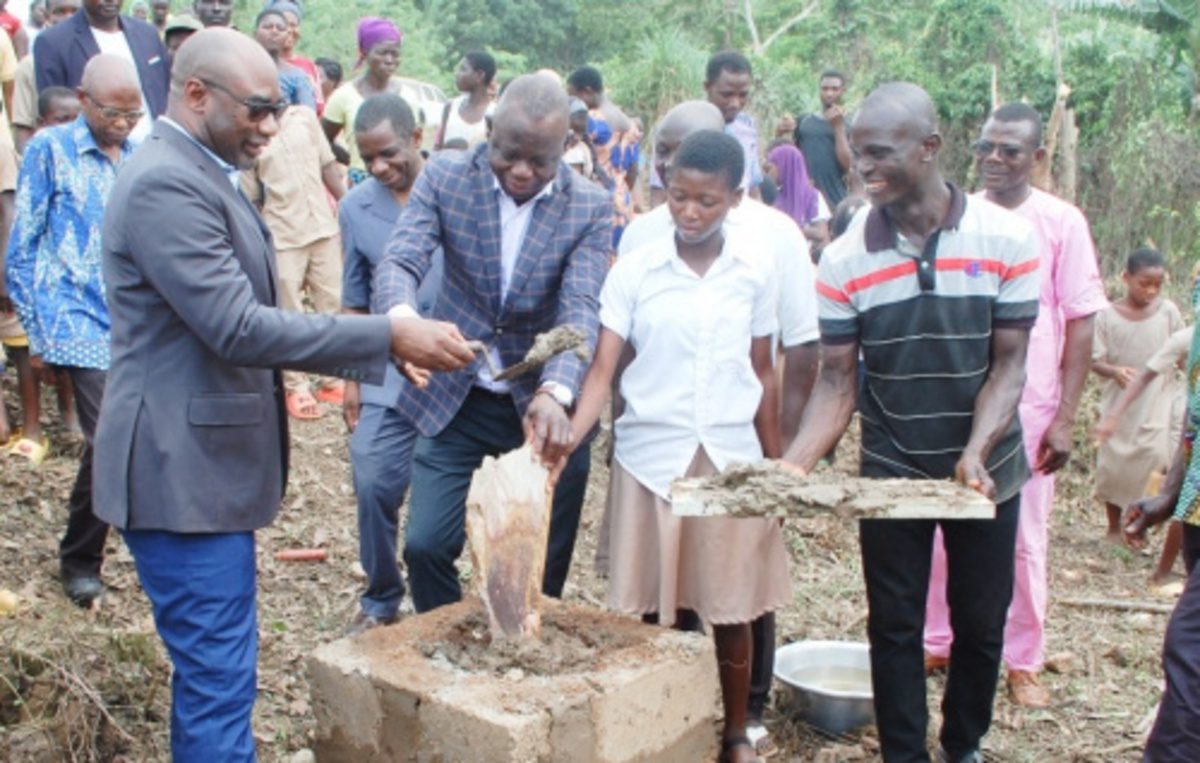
[{"x": 191, "y": 451}]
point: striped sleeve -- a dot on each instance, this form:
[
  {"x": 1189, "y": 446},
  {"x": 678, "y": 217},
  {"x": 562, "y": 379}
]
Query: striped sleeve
[
  {"x": 1016, "y": 303},
  {"x": 837, "y": 316}
]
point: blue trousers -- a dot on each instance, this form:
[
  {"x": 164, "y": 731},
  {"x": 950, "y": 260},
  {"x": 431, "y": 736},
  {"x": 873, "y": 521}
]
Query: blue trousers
[
  {"x": 202, "y": 589},
  {"x": 486, "y": 425},
  {"x": 381, "y": 450}
]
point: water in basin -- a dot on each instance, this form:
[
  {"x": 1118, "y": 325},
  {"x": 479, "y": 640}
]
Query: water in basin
[{"x": 833, "y": 678}]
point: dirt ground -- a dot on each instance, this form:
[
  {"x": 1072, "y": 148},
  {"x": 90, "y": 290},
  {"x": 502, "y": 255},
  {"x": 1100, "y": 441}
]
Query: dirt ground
[{"x": 80, "y": 685}]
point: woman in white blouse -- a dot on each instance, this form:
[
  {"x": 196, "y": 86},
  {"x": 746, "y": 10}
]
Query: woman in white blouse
[{"x": 698, "y": 309}]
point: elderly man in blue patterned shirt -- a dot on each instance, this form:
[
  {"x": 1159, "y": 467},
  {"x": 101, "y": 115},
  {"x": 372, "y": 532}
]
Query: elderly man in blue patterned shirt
[{"x": 53, "y": 275}]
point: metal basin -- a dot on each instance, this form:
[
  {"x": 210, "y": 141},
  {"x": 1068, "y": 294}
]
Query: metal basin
[{"x": 828, "y": 683}]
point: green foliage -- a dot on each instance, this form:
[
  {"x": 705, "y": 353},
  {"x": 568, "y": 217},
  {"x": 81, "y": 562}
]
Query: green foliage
[
  {"x": 665, "y": 68},
  {"x": 1131, "y": 65},
  {"x": 330, "y": 28}
]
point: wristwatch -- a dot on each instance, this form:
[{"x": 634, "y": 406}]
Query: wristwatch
[{"x": 560, "y": 392}]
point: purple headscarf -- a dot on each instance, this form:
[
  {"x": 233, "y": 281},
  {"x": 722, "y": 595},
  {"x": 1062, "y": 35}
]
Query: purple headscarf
[
  {"x": 797, "y": 197},
  {"x": 373, "y": 30}
]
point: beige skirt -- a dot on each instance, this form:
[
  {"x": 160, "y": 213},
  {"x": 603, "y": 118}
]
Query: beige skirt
[{"x": 728, "y": 570}]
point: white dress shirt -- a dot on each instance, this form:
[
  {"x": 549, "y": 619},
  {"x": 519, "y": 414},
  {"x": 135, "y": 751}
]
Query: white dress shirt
[
  {"x": 797, "y": 310},
  {"x": 514, "y": 222},
  {"x": 691, "y": 383}
]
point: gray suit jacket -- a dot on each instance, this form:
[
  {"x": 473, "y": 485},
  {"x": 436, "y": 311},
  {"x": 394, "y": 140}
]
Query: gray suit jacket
[{"x": 192, "y": 436}]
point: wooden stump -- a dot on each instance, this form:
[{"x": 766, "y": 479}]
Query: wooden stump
[
  {"x": 508, "y": 525},
  {"x": 766, "y": 489}
]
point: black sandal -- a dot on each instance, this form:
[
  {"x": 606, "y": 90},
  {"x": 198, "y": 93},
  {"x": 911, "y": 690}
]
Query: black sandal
[{"x": 728, "y": 744}]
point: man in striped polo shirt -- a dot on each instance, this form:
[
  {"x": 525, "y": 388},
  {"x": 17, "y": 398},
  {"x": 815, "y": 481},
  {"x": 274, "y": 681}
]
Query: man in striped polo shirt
[{"x": 939, "y": 291}]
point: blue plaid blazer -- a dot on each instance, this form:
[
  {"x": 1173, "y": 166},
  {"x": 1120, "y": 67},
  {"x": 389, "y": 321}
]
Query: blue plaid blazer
[{"x": 556, "y": 280}]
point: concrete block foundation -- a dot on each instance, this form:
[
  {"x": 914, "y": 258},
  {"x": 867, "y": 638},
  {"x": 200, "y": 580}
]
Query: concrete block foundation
[{"x": 596, "y": 688}]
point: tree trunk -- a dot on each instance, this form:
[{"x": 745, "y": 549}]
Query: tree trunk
[{"x": 508, "y": 525}]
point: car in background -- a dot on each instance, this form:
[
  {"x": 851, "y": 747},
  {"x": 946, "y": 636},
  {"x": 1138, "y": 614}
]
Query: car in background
[{"x": 427, "y": 101}]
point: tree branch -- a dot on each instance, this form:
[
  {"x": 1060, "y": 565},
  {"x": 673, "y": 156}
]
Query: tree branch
[
  {"x": 793, "y": 21},
  {"x": 748, "y": 11}
]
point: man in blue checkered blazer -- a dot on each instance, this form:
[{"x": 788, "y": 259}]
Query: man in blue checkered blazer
[{"x": 526, "y": 245}]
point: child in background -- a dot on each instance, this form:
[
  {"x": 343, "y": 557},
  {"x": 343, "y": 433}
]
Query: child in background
[
  {"x": 698, "y": 309},
  {"x": 1128, "y": 334},
  {"x": 1172, "y": 356},
  {"x": 56, "y": 106}
]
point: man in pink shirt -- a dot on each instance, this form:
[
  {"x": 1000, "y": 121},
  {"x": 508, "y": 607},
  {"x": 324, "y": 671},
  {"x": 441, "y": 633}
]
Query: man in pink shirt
[{"x": 1060, "y": 350}]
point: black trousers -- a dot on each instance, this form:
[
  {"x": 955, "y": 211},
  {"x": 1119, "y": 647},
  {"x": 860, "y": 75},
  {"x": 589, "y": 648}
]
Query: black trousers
[
  {"x": 896, "y": 556},
  {"x": 1176, "y": 734},
  {"x": 486, "y": 425},
  {"x": 81, "y": 550}
]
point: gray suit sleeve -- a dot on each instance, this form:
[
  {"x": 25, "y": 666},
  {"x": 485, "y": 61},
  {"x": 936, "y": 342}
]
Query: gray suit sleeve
[{"x": 192, "y": 265}]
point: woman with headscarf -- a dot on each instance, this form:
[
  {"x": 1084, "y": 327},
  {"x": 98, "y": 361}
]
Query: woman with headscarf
[
  {"x": 379, "y": 43},
  {"x": 798, "y": 198}
]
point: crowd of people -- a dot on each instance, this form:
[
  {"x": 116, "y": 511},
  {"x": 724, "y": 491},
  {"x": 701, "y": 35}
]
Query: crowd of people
[{"x": 743, "y": 301}]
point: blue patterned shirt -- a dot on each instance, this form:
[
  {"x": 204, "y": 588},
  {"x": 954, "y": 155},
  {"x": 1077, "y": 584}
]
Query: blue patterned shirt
[{"x": 53, "y": 268}]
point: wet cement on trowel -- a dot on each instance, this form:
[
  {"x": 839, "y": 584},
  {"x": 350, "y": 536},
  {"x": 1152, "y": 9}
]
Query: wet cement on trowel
[{"x": 768, "y": 489}]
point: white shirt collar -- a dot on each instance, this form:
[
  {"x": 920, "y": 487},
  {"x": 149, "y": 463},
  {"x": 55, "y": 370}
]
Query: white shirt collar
[{"x": 733, "y": 247}]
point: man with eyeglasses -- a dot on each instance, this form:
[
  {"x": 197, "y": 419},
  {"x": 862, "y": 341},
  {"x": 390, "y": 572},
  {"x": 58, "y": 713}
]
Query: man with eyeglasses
[
  {"x": 54, "y": 278},
  {"x": 192, "y": 443},
  {"x": 61, "y": 53},
  {"x": 1060, "y": 353}
]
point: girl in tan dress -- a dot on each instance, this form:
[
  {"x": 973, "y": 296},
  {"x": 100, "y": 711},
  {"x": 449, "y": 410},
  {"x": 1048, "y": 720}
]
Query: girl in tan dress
[
  {"x": 1128, "y": 334},
  {"x": 698, "y": 309}
]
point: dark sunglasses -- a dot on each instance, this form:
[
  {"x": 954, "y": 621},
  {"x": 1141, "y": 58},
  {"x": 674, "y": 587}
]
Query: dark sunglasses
[
  {"x": 984, "y": 149},
  {"x": 257, "y": 107}
]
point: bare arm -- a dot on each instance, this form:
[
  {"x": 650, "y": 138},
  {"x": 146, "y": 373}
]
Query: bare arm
[
  {"x": 597, "y": 384},
  {"x": 21, "y": 43},
  {"x": 8, "y": 98},
  {"x": 1108, "y": 424},
  {"x": 331, "y": 176},
  {"x": 799, "y": 375},
  {"x": 331, "y": 130},
  {"x": 766, "y": 419},
  {"x": 995, "y": 407},
  {"x": 1055, "y": 447},
  {"x": 841, "y": 146},
  {"x": 1122, "y": 375},
  {"x": 829, "y": 410},
  {"x": 21, "y": 136},
  {"x": 1144, "y": 514}
]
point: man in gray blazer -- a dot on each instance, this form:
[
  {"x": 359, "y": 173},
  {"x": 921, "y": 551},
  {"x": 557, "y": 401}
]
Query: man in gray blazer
[{"x": 191, "y": 449}]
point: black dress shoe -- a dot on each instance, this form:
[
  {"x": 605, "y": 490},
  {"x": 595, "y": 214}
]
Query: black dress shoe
[{"x": 83, "y": 590}]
